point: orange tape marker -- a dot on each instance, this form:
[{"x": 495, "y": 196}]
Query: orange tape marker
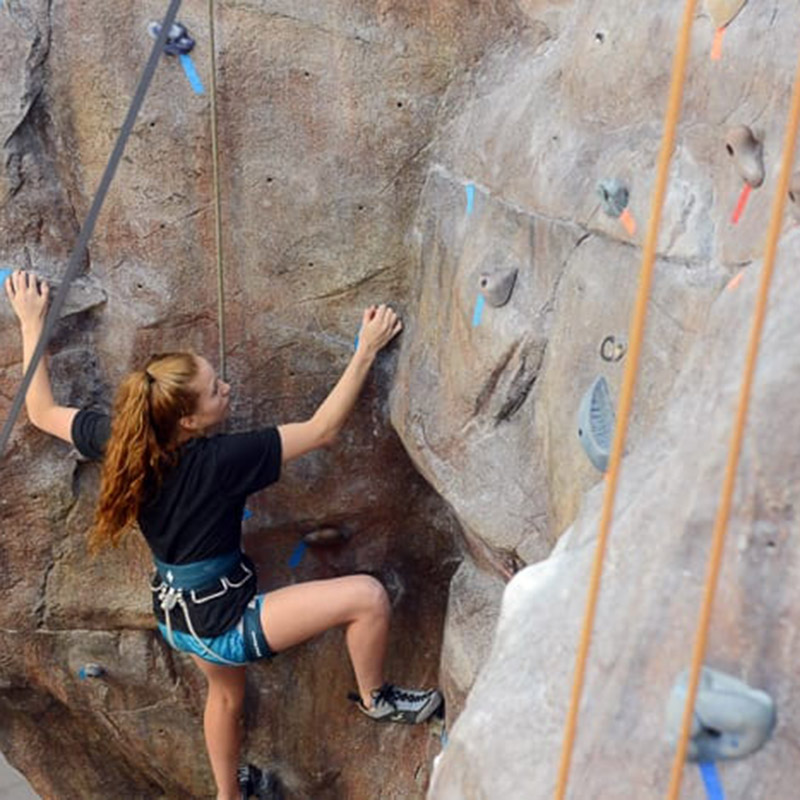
[
  {"x": 734, "y": 281},
  {"x": 716, "y": 45},
  {"x": 627, "y": 220},
  {"x": 740, "y": 206}
]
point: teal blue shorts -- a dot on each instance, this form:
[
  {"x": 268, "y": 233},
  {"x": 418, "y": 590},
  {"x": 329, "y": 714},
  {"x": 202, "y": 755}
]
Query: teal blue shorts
[{"x": 229, "y": 648}]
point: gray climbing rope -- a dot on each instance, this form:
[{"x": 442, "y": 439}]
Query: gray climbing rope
[{"x": 88, "y": 227}]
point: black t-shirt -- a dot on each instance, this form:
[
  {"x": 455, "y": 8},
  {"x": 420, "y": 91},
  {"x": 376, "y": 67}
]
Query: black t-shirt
[{"x": 196, "y": 513}]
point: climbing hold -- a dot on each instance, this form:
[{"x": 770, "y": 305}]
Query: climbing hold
[
  {"x": 596, "y": 420},
  {"x": 794, "y": 196},
  {"x": 730, "y": 719},
  {"x": 497, "y": 286},
  {"x": 614, "y": 196},
  {"x": 612, "y": 350},
  {"x": 470, "y": 188},
  {"x": 723, "y": 12},
  {"x": 747, "y": 153},
  {"x": 178, "y": 41},
  {"x": 477, "y": 314},
  {"x": 246, "y": 514},
  {"x": 263, "y": 784},
  {"x": 326, "y": 536},
  {"x": 91, "y": 671},
  {"x": 5, "y": 273},
  {"x": 297, "y": 555}
]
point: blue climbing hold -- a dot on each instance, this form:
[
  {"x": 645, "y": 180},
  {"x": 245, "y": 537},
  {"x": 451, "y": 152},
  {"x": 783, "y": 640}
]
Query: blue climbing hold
[
  {"x": 470, "y": 198},
  {"x": 91, "y": 671},
  {"x": 478, "y": 313},
  {"x": 246, "y": 515},
  {"x": 297, "y": 555},
  {"x": 6, "y": 271}
]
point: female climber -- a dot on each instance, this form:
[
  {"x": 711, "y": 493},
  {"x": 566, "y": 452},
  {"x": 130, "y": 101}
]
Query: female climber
[{"x": 187, "y": 490}]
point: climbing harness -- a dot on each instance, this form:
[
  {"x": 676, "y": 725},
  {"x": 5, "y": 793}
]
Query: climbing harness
[
  {"x": 628, "y": 385},
  {"x": 611, "y": 350},
  {"x": 723, "y": 513},
  {"x": 79, "y": 253},
  {"x": 204, "y": 582}
]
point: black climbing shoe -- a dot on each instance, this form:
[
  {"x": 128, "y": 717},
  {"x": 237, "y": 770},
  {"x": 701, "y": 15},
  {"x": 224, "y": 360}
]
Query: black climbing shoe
[
  {"x": 253, "y": 782},
  {"x": 392, "y": 704}
]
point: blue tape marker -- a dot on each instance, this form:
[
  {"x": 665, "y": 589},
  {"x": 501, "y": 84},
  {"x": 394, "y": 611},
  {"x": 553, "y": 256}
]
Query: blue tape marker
[
  {"x": 708, "y": 769},
  {"x": 191, "y": 73},
  {"x": 356, "y": 340},
  {"x": 297, "y": 554},
  {"x": 478, "y": 313},
  {"x": 246, "y": 514},
  {"x": 470, "y": 198},
  {"x": 6, "y": 271}
]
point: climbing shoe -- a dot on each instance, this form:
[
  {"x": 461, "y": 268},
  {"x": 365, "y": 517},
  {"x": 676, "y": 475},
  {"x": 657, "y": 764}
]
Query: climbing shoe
[
  {"x": 254, "y": 782},
  {"x": 392, "y": 704}
]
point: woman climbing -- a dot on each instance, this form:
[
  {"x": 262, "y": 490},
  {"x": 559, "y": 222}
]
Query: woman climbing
[{"x": 187, "y": 492}]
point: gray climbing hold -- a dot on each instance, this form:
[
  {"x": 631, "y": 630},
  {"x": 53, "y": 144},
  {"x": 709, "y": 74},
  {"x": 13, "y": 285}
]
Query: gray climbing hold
[
  {"x": 596, "y": 420},
  {"x": 794, "y": 196},
  {"x": 730, "y": 719},
  {"x": 747, "y": 153},
  {"x": 723, "y": 11},
  {"x": 614, "y": 196},
  {"x": 497, "y": 286}
]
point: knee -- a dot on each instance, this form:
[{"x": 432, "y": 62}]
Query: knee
[
  {"x": 227, "y": 697},
  {"x": 373, "y": 596}
]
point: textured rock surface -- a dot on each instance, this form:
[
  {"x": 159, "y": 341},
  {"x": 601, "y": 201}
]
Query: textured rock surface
[
  {"x": 655, "y": 570},
  {"x": 378, "y": 151}
]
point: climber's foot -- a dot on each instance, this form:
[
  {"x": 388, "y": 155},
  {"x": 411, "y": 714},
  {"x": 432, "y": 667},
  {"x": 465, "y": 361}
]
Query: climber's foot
[
  {"x": 392, "y": 704},
  {"x": 257, "y": 783}
]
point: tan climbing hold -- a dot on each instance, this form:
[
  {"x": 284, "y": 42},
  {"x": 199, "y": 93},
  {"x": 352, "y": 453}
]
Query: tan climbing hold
[
  {"x": 497, "y": 286},
  {"x": 723, "y": 11},
  {"x": 323, "y": 536},
  {"x": 747, "y": 154},
  {"x": 794, "y": 196}
]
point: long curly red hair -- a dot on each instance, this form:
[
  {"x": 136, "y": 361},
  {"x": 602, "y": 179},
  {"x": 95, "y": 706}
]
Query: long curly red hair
[{"x": 144, "y": 437}]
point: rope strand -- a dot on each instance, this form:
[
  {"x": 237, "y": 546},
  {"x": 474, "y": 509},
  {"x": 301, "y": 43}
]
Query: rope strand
[
  {"x": 723, "y": 514},
  {"x": 217, "y": 194},
  {"x": 628, "y": 385}
]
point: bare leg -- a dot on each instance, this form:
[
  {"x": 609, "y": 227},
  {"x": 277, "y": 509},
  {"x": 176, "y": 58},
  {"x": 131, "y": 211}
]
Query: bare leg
[
  {"x": 221, "y": 723},
  {"x": 296, "y": 613}
]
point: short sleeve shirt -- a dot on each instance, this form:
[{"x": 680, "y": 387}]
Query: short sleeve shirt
[{"x": 196, "y": 513}]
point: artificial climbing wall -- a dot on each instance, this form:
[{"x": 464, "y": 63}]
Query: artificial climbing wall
[{"x": 488, "y": 168}]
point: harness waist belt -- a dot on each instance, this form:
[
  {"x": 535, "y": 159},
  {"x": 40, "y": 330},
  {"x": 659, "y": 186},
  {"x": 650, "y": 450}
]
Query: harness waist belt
[{"x": 199, "y": 574}]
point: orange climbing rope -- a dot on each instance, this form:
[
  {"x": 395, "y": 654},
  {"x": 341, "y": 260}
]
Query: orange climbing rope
[
  {"x": 723, "y": 514},
  {"x": 628, "y": 384}
]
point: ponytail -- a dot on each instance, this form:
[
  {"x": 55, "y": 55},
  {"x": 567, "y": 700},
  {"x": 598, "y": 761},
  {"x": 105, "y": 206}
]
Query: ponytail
[{"x": 143, "y": 442}]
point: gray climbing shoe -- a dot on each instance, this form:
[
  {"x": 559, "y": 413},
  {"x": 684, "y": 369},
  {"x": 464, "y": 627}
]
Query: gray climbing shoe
[{"x": 393, "y": 704}]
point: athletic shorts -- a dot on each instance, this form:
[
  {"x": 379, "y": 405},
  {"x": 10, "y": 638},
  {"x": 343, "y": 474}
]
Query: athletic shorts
[{"x": 231, "y": 647}]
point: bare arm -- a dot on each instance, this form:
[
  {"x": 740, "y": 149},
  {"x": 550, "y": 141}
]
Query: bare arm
[
  {"x": 379, "y": 326},
  {"x": 29, "y": 299}
]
